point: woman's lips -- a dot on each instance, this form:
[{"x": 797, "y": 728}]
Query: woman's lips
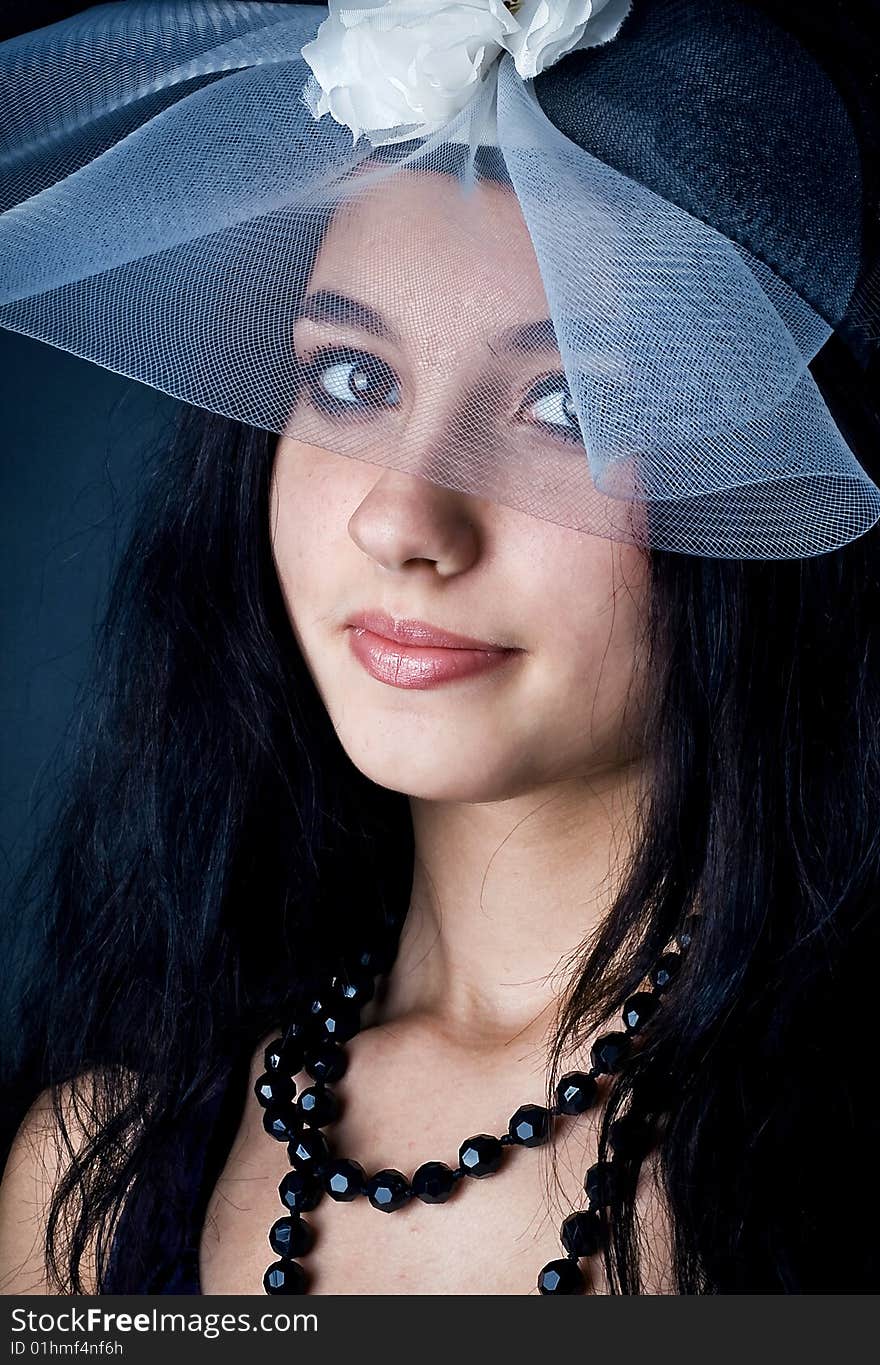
[{"x": 420, "y": 666}]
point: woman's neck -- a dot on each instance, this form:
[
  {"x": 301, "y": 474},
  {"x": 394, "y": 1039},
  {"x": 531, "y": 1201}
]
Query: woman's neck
[{"x": 503, "y": 894}]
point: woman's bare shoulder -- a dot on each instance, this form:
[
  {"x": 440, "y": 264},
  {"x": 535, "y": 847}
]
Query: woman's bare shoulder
[{"x": 38, "y": 1157}]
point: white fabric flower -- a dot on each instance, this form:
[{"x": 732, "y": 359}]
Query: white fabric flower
[
  {"x": 409, "y": 64},
  {"x": 548, "y": 29},
  {"x": 404, "y": 68}
]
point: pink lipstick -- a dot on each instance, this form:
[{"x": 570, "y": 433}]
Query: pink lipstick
[{"x": 415, "y": 654}]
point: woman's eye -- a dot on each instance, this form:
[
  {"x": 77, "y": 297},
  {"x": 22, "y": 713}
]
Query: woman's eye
[
  {"x": 343, "y": 381},
  {"x": 551, "y": 400}
]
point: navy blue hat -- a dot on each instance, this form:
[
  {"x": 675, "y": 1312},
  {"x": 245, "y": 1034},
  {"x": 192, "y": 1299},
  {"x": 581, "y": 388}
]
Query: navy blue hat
[{"x": 717, "y": 107}]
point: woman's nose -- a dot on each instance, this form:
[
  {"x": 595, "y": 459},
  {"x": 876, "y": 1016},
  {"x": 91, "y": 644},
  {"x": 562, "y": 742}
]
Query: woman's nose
[{"x": 406, "y": 518}]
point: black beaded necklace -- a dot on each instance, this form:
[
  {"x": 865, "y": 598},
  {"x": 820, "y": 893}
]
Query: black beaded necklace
[{"x": 315, "y": 1044}]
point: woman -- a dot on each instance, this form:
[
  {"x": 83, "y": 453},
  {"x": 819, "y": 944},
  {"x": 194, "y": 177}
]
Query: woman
[{"x": 642, "y": 772}]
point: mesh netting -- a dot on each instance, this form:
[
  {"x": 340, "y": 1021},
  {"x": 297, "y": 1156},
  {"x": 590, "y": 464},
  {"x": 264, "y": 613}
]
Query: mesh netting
[{"x": 491, "y": 307}]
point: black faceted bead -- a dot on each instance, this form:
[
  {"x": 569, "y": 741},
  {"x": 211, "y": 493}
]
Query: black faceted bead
[
  {"x": 272, "y": 1055},
  {"x": 609, "y": 1052},
  {"x": 530, "y": 1125},
  {"x": 274, "y": 1089},
  {"x": 582, "y": 1233},
  {"x": 638, "y": 1009},
  {"x": 283, "y": 1124},
  {"x": 434, "y": 1182},
  {"x": 576, "y": 1092},
  {"x": 480, "y": 1155},
  {"x": 665, "y": 970},
  {"x": 339, "y": 1020},
  {"x": 291, "y": 1237},
  {"x": 358, "y": 989},
  {"x": 561, "y": 1277},
  {"x": 689, "y": 931},
  {"x": 387, "y": 1190},
  {"x": 600, "y": 1183},
  {"x": 300, "y": 1192},
  {"x": 343, "y": 1179},
  {"x": 285, "y": 1277},
  {"x": 631, "y": 1137},
  {"x": 318, "y": 1106},
  {"x": 284, "y": 1057},
  {"x": 309, "y": 1152},
  {"x": 326, "y": 1062}
]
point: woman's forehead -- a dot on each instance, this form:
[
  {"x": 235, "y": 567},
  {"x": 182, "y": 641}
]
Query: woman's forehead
[{"x": 424, "y": 253}]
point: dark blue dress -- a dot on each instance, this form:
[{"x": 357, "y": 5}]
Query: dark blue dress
[{"x": 202, "y": 1150}]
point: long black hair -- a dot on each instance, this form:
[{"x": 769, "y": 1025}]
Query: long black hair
[{"x": 215, "y": 845}]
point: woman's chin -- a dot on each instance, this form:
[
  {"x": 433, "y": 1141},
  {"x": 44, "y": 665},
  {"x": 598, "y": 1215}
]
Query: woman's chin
[{"x": 430, "y": 772}]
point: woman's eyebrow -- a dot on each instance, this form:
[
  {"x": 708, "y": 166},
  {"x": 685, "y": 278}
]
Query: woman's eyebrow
[
  {"x": 532, "y": 336},
  {"x": 327, "y": 306}
]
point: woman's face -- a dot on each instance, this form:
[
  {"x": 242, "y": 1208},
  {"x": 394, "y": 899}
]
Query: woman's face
[{"x": 350, "y": 535}]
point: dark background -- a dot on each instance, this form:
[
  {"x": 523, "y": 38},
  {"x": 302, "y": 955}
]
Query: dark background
[
  {"x": 75, "y": 438},
  {"x": 18, "y": 16}
]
